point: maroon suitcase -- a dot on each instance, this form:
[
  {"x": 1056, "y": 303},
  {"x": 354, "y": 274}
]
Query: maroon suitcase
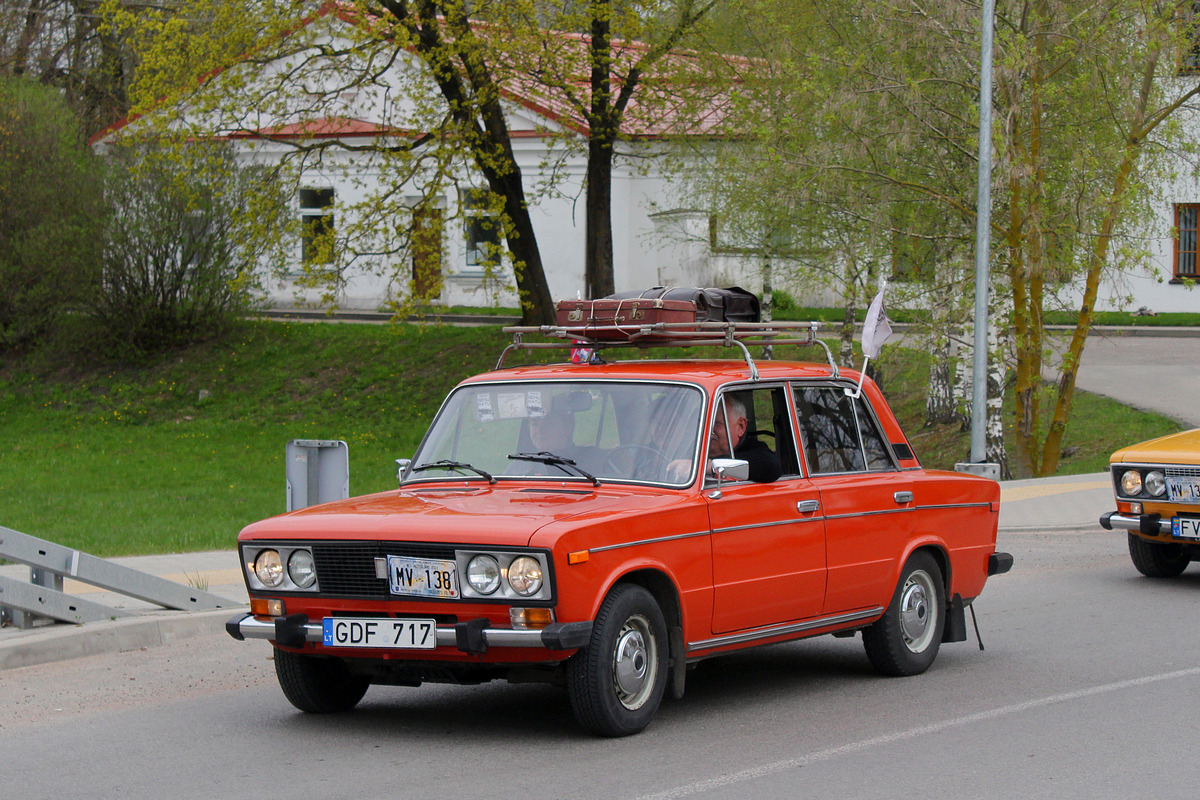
[{"x": 618, "y": 319}]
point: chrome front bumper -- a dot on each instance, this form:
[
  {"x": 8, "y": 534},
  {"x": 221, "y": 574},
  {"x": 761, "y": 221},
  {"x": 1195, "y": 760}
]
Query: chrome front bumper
[
  {"x": 1146, "y": 524},
  {"x": 472, "y": 636}
]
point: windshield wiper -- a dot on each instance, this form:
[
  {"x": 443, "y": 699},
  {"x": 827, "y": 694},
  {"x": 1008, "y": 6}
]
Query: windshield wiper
[
  {"x": 555, "y": 461},
  {"x": 446, "y": 463}
]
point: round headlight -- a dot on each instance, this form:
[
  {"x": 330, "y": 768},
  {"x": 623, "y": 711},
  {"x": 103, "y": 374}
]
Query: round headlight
[
  {"x": 269, "y": 568},
  {"x": 525, "y": 576},
  {"x": 302, "y": 569},
  {"x": 1131, "y": 483},
  {"x": 1156, "y": 483},
  {"x": 483, "y": 573}
]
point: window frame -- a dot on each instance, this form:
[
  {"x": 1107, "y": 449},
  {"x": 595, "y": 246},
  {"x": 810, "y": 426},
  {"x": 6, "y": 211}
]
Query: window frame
[
  {"x": 478, "y": 242},
  {"x": 1182, "y": 237},
  {"x": 316, "y": 220}
]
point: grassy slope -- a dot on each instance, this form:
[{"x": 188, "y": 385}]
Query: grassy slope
[{"x": 131, "y": 460}]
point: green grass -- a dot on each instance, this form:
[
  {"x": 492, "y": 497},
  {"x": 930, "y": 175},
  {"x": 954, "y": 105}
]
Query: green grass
[{"x": 179, "y": 453}]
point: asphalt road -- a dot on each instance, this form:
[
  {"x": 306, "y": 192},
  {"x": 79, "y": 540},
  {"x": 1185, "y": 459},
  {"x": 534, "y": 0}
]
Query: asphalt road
[
  {"x": 1086, "y": 689},
  {"x": 1152, "y": 373}
]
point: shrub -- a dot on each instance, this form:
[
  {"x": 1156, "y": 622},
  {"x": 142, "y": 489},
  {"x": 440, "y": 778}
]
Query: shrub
[
  {"x": 188, "y": 232},
  {"x": 51, "y": 197}
]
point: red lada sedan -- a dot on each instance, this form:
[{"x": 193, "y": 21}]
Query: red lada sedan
[{"x": 604, "y": 526}]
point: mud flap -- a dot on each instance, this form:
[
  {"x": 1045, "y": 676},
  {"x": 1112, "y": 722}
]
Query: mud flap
[{"x": 955, "y": 629}]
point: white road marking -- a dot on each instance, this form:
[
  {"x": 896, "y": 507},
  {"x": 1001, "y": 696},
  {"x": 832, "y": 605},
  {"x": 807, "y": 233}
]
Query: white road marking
[{"x": 743, "y": 776}]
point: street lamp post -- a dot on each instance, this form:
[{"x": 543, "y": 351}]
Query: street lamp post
[{"x": 983, "y": 222}]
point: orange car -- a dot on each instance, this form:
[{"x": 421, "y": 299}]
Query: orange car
[
  {"x": 590, "y": 525},
  {"x": 1157, "y": 486}
]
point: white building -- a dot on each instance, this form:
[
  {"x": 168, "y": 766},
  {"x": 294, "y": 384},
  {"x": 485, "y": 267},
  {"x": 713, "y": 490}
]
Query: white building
[{"x": 655, "y": 242}]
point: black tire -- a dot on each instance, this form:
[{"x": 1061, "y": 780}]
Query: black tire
[
  {"x": 616, "y": 683},
  {"x": 318, "y": 685},
  {"x": 1157, "y": 559},
  {"x": 905, "y": 640}
]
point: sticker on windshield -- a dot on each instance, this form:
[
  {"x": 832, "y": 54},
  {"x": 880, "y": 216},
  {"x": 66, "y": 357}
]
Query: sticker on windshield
[
  {"x": 533, "y": 402},
  {"x": 510, "y": 405},
  {"x": 483, "y": 407}
]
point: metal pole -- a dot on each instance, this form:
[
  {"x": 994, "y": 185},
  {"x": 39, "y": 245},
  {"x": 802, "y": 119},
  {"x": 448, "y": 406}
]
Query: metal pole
[{"x": 983, "y": 225}]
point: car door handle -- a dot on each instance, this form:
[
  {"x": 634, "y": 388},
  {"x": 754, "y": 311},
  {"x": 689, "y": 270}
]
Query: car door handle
[
  {"x": 903, "y": 497},
  {"x": 808, "y": 506}
]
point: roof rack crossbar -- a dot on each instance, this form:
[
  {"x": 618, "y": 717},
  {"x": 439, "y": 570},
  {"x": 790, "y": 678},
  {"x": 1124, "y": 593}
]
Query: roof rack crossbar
[{"x": 671, "y": 334}]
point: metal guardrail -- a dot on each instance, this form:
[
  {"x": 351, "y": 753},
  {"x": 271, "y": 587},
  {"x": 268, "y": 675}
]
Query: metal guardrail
[{"x": 50, "y": 563}]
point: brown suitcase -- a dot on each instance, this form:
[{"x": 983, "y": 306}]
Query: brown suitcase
[{"x": 619, "y": 319}]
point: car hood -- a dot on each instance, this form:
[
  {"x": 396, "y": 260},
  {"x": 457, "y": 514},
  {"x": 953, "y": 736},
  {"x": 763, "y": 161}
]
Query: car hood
[
  {"x": 493, "y": 515},
  {"x": 1178, "y": 448}
]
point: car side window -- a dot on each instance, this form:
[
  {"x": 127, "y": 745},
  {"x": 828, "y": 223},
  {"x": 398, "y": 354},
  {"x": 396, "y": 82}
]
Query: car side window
[
  {"x": 837, "y": 432},
  {"x": 761, "y": 432}
]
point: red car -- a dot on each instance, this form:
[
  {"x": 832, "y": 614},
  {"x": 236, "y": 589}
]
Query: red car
[{"x": 589, "y": 525}]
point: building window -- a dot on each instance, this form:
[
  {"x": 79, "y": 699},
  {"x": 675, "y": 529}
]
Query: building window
[
  {"x": 316, "y": 226},
  {"x": 1186, "y": 216},
  {"x": 1189, "y": 53},
  {"x": 482, "y": 229},
  {"x": 427, "y": 253}
]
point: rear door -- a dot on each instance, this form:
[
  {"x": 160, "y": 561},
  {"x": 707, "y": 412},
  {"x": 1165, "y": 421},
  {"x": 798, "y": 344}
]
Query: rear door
[{"x": 866, "y": 500}]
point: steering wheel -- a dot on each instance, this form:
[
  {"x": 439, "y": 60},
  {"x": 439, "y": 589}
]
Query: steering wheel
[{"x": 656, "y": 460}]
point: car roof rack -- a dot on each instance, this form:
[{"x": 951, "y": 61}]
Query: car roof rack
[{"x": 671, "y": 334}]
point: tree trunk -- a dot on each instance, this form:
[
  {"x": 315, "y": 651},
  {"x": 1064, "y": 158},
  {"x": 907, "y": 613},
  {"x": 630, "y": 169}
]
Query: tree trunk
[{"x": 598, "y": 261}]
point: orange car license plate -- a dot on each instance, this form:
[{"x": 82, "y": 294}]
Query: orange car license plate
[{"x": 419, "y": 634}]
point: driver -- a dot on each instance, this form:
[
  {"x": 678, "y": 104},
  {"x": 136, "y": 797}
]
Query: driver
[{"x": 731, "y": 424}]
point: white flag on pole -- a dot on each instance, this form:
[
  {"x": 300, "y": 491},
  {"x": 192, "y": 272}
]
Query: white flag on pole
[{"x": 876, "y": 327}]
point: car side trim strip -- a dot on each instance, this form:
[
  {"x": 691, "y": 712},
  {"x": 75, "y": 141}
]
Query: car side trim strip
[
  {"x": 796, "y": 521},
  {"x": 784, "y": 630},
  {"x": 872, "y": 513},
  {"x": 641, "y": 542}
]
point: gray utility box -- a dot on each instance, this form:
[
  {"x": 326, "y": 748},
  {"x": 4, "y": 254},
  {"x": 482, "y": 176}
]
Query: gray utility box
[
  {"x": 984, "y": 468},
  {"x": 318, "y": 471}
]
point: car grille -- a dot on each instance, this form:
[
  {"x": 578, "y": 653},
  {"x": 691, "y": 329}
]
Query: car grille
[
  {"x": 1182, "y": 472},
  {"x": 347, "y": 569}
]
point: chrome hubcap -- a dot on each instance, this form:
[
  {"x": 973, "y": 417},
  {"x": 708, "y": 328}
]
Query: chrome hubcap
[
  {"x": 634, "y": 660},
  {"x": 916, "y": 613}
]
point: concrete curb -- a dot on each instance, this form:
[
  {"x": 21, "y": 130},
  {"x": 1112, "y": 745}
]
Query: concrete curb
[{"x": 60, "y": 642}]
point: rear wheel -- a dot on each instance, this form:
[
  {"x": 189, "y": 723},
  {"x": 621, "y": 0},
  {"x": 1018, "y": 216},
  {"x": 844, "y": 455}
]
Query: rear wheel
[
  {"x": 1157, "y": 559},
  {"x": 905, "y": 640},
  {"x": 616, "y": 683},
  {"x": 318, "y": 685}
]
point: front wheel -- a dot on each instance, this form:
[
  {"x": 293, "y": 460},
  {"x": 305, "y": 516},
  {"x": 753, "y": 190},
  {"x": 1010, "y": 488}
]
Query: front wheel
[
  {"x": 316, "y": 684},
  {"x": 616, "y": 683},
  {"x": 1157, "y": 559},
  {"x": 905, "y": 640}
]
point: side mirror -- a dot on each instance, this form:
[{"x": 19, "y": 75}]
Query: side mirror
[
  {"x": 401, "y": 468},
  {"x": 729, "y": 469}
]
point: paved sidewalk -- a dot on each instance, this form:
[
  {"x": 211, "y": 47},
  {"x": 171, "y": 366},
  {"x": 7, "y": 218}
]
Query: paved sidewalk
[{"x": 1048, "y": 505}]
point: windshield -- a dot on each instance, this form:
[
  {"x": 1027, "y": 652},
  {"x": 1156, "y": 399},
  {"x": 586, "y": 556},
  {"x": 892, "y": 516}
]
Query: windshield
[{"x": 592, "y": 431}]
